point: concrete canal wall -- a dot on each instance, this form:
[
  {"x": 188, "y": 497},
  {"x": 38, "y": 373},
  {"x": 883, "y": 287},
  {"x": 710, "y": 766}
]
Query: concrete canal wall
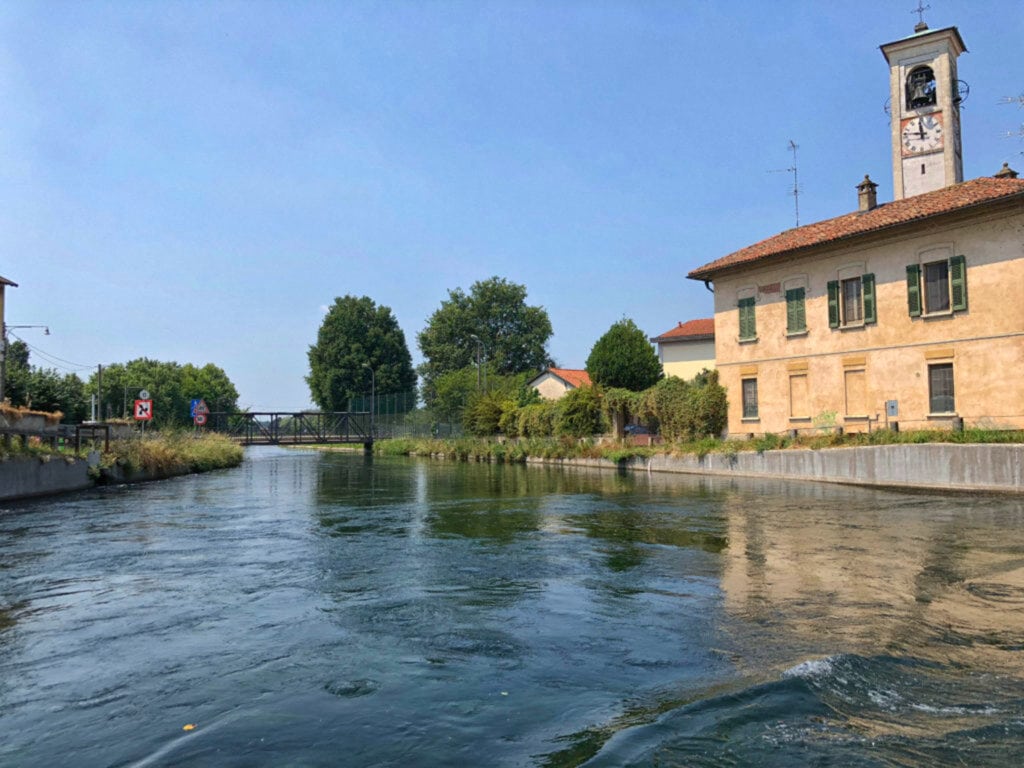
[
  {"x": 932, "y": 466},
  {"x": 23, "y": 477}
]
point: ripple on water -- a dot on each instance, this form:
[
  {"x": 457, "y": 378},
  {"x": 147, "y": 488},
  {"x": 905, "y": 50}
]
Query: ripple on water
[{"x": 350, "y": 689}]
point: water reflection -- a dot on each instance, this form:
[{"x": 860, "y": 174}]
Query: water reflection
[
  {"x": 338, "y": 609},
  {"x": 872, "y": 571}
]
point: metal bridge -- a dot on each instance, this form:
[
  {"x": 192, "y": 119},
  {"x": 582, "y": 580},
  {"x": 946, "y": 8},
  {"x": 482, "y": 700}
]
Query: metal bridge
[{"x": 280, "y": 428}]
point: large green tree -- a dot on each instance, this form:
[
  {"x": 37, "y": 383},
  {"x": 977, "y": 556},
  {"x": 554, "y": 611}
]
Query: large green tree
[
  {"x": 171, "y": 386},
  {"x": 355, "y": 338},
  {"x": 624, "y": 358},
  {"x": 493, "y": 321},
  {"x": 43, "y": 389}
]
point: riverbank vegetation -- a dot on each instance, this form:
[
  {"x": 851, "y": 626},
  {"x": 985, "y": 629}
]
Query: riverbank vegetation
[
  {"x": 520, "y": 449},
  {"x": 172, "y": 452}
]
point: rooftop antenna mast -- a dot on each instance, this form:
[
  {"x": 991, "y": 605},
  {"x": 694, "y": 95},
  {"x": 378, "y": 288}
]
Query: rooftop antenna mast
[
  {"x": 1019, "y": 101},
  {"x": 793, "y": 147}
]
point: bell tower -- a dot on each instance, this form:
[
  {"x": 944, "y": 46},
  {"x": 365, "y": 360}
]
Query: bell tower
[{"x": 925, "y": 113}]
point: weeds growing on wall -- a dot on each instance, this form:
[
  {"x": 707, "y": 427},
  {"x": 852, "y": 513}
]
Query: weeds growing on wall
[{"x": 565, "y": 447}]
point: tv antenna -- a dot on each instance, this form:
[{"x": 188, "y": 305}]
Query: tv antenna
[
  {"x": 793, "y": 147},
  {"x": 1019, "y": 101}
]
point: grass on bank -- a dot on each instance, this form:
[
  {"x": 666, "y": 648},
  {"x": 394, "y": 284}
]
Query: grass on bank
[
  {"x": 170, "y": 451},
  {"x": 517, "y": 451},
  {"x": 34, "y": 448}
]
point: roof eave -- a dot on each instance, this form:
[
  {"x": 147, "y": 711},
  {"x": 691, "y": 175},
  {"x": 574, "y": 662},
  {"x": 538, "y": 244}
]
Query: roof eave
[{"x": 710, "y": 275}]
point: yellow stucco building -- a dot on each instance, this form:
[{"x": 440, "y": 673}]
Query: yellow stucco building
[
  {"x": 687, "y": 349},
  {"x": 909, "y": 312}
]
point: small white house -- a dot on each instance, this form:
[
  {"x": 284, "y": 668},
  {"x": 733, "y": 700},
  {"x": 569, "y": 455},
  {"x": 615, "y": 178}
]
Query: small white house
[{"x": 552, "y": 383}]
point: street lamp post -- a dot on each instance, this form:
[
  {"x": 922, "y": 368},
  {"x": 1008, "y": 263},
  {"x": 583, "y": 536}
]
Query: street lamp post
[
  {"x": 479, "y": 348},
  {"x": 373, "y": 394}
]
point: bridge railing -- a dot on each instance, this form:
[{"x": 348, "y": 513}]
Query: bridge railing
[{"x": 270, "y": 427}]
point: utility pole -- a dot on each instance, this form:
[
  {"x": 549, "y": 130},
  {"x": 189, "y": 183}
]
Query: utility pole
[
  {"x": 99, "y": 393},
  {"x": 3, "y": 359}
]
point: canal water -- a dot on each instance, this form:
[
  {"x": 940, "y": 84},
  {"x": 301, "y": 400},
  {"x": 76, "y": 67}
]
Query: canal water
[{"x": 333, "y": 609}]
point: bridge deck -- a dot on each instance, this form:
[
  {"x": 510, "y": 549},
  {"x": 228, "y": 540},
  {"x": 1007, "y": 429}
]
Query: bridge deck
[{"x": 304, "y": 427}]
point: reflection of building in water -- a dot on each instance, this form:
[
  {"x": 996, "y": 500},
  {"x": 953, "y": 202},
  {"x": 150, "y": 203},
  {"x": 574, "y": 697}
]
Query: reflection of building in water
[{"x": 876, "y": 573}]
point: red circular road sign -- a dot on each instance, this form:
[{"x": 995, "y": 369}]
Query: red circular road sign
[{"x": 199, "y": 419}]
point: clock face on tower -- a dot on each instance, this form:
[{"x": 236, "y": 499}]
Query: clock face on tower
[{"x": 921, "y": 134}]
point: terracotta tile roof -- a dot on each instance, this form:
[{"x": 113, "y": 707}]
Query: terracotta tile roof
[
  {"x": 692, "y": 330},
  {"x": 948, "y": 200},
  {"x": 574, "y": 377}
]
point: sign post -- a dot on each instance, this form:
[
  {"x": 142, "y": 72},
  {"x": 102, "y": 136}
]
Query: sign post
[{"x": 143, "y": 410}]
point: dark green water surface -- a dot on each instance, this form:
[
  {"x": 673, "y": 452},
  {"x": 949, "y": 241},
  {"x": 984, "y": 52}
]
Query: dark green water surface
[{"x": 336, "y": 610}]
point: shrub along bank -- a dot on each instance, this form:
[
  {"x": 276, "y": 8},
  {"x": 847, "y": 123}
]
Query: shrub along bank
[
  {"x": 677, "y": 409},
  {"x": 521, "y": 449},
  {"x": 167, "y": 453}
]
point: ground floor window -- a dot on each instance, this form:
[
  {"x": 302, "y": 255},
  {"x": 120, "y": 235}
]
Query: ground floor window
[
  {"x": 750, "y": 398},
  {"x": 855, "y": 384},
  {"x": 799, "y": 408},
  {"x": 940, "y": 388}
]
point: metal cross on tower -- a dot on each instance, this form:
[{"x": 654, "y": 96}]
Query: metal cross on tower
[{"x": 921, "y": 8}]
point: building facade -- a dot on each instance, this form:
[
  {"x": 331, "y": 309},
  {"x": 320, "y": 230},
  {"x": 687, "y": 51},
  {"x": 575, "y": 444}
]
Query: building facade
[
  {"x": 553, "y": 383},
  {"x": 687, "y": 349},
  {"x": 909, "y": 312}
]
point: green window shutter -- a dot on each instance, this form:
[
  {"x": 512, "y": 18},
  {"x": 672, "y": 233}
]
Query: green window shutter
[
  {"x": 748, "y": 323},
  {"x": 914, "y": 289},
  {"x": 833, "y": 303},
  {"x": 796, "y": 318},
  {"x": 868, "y": 284},
  {"x": 958, "y": 281}
]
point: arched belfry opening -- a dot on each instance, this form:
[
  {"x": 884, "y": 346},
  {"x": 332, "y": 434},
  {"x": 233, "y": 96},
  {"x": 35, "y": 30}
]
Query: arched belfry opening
[{"x": 920, "y": 88}]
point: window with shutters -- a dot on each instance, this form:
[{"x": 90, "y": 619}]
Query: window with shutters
[
  {"x": 852, "y": 307},
  {"x": 940, "y": 389},
  {"x": 796, "y": 313},
  {"x": 851, "y": 302},
  {"x": 748, "y": 322},
  {"x": 749, "y": 398},
  {"x": 937, "y": 287}
]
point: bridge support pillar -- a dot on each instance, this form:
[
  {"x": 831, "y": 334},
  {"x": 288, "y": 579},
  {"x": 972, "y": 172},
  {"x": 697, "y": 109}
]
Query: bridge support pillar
[{"x": 368, "y": 447}]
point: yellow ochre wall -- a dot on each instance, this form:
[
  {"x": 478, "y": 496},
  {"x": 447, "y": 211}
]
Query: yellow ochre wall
[
  {"x": 686, "y": 359},
  {"x": 985, "y": 344}
]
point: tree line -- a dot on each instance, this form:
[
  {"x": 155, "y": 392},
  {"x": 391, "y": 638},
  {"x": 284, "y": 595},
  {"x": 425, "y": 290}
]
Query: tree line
[
  {"x": 171, "y": 386},
  {"x": 480, "y": 349}
]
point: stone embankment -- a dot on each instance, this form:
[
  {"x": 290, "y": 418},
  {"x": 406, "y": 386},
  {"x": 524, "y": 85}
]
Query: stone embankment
[
  {"x": 929, "y": 466},
  {"x": 26, "y": 476}
]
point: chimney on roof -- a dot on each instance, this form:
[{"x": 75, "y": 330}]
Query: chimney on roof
[
  {"x": 1006, "y": 172},
  {"x": 867, "y": 197}
]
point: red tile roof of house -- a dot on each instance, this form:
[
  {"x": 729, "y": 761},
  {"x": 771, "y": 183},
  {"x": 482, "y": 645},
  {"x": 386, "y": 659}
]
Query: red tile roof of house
[
  {"x": 692, "y": 330},
  {"x": 968, "y": 195},
  {"x": 574, "y": 377}
]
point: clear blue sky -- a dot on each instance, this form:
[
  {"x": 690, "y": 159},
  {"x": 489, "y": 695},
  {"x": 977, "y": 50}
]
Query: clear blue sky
[{"x": 197, "y": 181}]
